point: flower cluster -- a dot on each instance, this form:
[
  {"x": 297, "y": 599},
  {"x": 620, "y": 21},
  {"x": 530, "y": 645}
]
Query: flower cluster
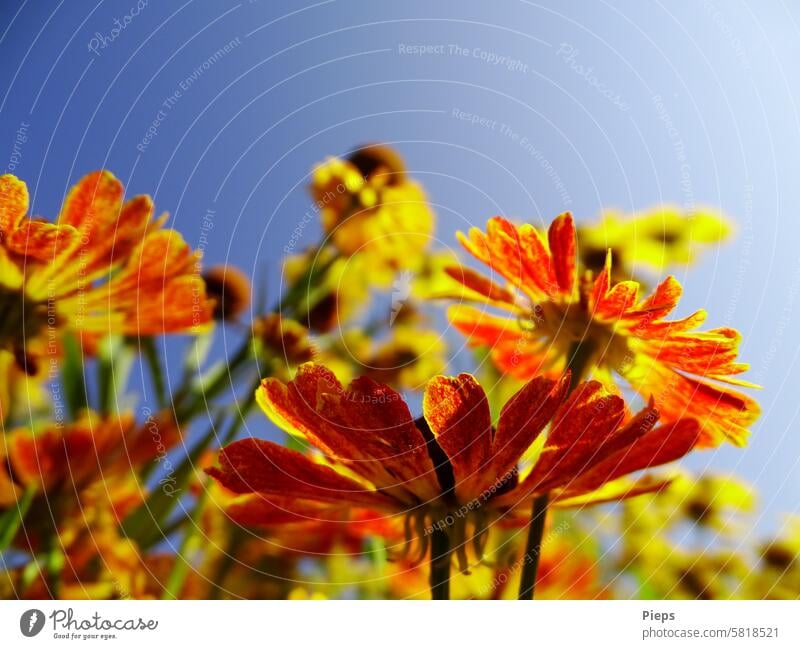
[{"x": 388, "y": 471}]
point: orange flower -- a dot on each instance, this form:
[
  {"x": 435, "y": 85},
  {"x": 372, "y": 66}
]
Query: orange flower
[
  {"x": 556, "y": 311},
  {"x": 103, "y": 267},
  {"x": 452, "y": 463},
  {"x": 71, "y": 457}
]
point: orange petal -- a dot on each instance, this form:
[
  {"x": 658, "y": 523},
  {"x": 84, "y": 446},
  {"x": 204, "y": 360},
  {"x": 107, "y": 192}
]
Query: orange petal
[
  {"x": 13, "y": 203},
  {"x": 662, "y": 301},
  {"x": 501, "y": 250},
  {"x": 480, "y": 284},
  {"x": 707, "y": 352},
  {"x": 482, "y": 328},
  {"x": 617, "y": 301},
  {"x": 723, "y": 413},
  {"x": 562, "y": 240},
  {"x": 538, "y": 260},
  {"x": 42, "y": 241},
  {"x": 92, "y": 203}
]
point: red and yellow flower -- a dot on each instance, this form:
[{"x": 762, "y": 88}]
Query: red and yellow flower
[
  {"x": 452, "y": 462},
  {"x": 104, "y": 267},
  {"x": 556, "y": 314}
]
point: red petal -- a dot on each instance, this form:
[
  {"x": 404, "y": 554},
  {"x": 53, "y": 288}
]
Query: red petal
[
  {"x": 457, "y": 412},
  {"x": 258, "y": 466}
]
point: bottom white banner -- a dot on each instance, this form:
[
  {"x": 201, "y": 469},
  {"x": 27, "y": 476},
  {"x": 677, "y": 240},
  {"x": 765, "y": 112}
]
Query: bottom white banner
[{"x": 356, "y": 624}]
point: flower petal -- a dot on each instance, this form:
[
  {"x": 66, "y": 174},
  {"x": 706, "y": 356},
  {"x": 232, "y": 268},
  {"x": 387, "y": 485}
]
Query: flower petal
[
  {"x": 457, "y": 411},
  {"x": 522, "y": 419},
  {"x": 259, "y": 466},
  {"x": 368, "y": 428},
  {"x": 13, "y": 203},
  {"x": 562, "y": 239}
]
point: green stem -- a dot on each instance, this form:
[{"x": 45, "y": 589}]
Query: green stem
[
  {"x": 440, "y": 565},
  {"x": 238, "y": 537},
  {"x": 180, "y": 569},
  {"x": 225, "y": 377},
  {"x": 148, "y": 347},
  {"x": 305, "y": 282},
  {"x": 72, "y": 377},
  {"x": 147, "y": 524},
  {"x": 579, "y": 362},
  {"x": 12, "y": 518}
]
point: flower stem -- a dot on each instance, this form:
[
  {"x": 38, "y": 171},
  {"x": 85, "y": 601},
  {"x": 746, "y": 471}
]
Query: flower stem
[
  {"x": 533, "y": 548},
  {"x": 578, "y": 363},
  {"x": 12, "y": 519},
  {"x": 440, "y": 565}
]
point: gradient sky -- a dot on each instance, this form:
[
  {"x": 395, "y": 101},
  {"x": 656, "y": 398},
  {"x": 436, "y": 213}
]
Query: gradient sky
[{"x": 621, "y": 104}]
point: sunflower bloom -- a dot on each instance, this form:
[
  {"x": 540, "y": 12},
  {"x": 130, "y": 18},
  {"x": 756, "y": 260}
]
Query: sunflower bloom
[
  {"x": 556, "y": 314},
  {"x": 103, "y": 267},
  {"x": 376, "y": 456}
]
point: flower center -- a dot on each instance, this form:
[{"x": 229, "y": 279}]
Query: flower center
[
  {"x": 22, "y": 318},
  {"x": 569, "y": 324}
]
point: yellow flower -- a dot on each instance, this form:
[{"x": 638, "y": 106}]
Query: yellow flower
[
  {"x": 654, "y": 239},
  {"x": 368, "y": 205}
]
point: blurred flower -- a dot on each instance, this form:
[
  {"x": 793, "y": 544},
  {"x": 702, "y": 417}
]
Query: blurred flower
[
  {"x": 103, "y": 267},
  {"x": 229, "y": 288},
  {"x": 452, "y": 459},
  {"x": 336, "y": 296},
  {"x": 68, "y": 457},
  {"x": 283, "y": 339},
  {"x": 22, "y": 390},
  {"x": 369, "y": 206},
  {"x": 654, "y": 239},
  {"x": 404, "y": 358},
  {"x": 559, "y": 316}
]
